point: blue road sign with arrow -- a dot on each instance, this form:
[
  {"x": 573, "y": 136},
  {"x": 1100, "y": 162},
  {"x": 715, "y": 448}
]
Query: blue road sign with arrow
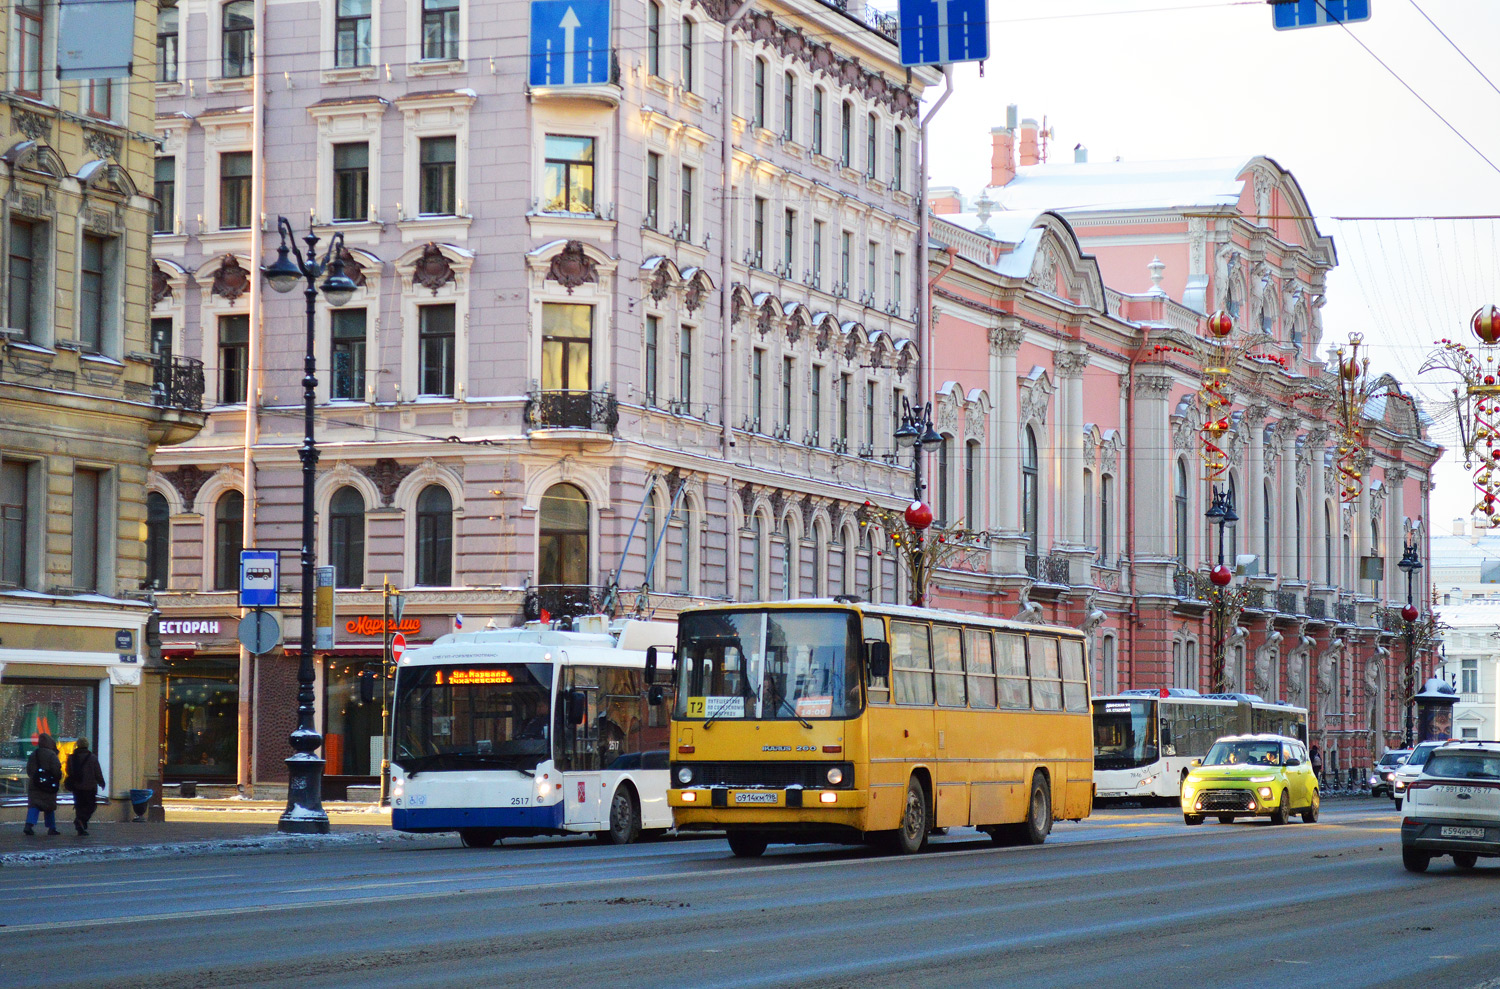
[
  {"x": 936, "y": 32},
  {"x": 1287, "y": 15},
  {"x": 570, "y": 42}
]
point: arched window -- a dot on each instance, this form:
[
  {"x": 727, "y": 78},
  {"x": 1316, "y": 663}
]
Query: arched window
[
  {"x": 562, "y": 548},
  {"x": 1297, "y": 543},
  {"x": 653, "y": 38},
  {"x": 788, "y": 108},
  {"x": 898, "y": 152},
  {"x": 872, "y": 570},
  {"x": 758, "y": 98},
  {"x": 944, "y": 483},
  {"x": 687, "y": 54},
  {"x": 346, "y": 537},
  {"x": 819, "y": 100},
  {"x": 871, "y": 146},
  {"x": 229, "y": 539},
  {"x": 846, "y": 134},
  {"x": 972, "y": 518},
  {"x": 1267, "y": 541},
  {"x": 1232, "y": 530},
  {"x": 820, "y": 540},
  {"x": 158, "y": 541},
  {"x": 1180, "y": 506},
  {"x": 1106, "y": 518},
  {"x": 1029, "y": 493},
  {"x": 788, "y": 561},
  {"x": 1328, "y": 574},
  {"x": 689, "y": 549},
  {"x": 759, "y": 565},
  {"x": 1106, "y": 673},
  {"x": 435, "y": 537},
  {"x": 1190, "y": 663},
  {"x": 1088, "y": 508},
  {"x": 648, "y": 540},
  {"x": 238, "y": 36}
]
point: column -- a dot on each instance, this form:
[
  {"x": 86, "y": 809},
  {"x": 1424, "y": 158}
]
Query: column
[
  {"x": 1150, "y": 481},
  {"x": 1069, "y": 365},
  {"x": 1317, "y": 439},
  {"x": 1395, "y": 539},
  {"x": 1286, "y": 436},
  {"x": 1005, "y": 463}
]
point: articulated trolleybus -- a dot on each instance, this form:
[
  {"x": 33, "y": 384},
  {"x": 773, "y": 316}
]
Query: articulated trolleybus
[
  {"x": 824, "y": 720},
  {"x": 530, "y": 730},
  {"x": 1146, "y": 740}
]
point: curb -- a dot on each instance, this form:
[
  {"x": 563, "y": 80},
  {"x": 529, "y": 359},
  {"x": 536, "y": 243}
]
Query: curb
[{"x": 259, "y": 843}]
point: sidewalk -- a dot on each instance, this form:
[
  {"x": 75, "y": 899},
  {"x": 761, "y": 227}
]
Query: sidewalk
[{"x": 192, "y": 827}]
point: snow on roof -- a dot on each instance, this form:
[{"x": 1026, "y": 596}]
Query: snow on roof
[
  {"x": 1484, "y": 614},
  {"x": 1459, "y": 551},
  {"x": 1106, "y": 185}
]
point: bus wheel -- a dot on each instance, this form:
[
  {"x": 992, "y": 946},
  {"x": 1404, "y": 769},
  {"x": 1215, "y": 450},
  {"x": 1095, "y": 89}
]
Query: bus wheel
[
  {"x": 911, "y": 836},
  {"x": 747, "y": 844},
  {"x": 624, "y": 819},
  {"x": 1038, "y": 822},
  {"x": 478, "y": 837}
]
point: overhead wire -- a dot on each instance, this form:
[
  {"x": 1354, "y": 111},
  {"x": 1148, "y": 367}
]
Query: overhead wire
[{"x": 1461, "y": 53}]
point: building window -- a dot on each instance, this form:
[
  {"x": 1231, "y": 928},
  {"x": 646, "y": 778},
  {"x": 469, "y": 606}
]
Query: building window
[
  {"x": 1106, "y": 507},
  {"x": 439, "y": 29},
  {"x": 1297, "y": 546},
  {"x": 846, "y": 133},
  {"x": 685, "y": 370},
  {"x": 351, "y": 34},
  {"x": 167, "y": 20},
  {"x": 757, "y": 387},
  {"x": 653, "y": 189},
  {"x": 788, "y": 561},
  {"x": 788, "y": 106},
  {"x": 758, "y": 98},
  {"x": 653, "y": 336},
  {"x": 563, "y": 537},
  {"x": 347, "y": 364},
  {"x": 844, "y": 381},
  {"x": 653, "y": 38},
  {"x": 234, "y": 358},
  {"x": 235, "y": 171},
  {"x": 346, "y": 536},
  {"x": 434, "y": 537},
  {"x": 872, "y": 253},
  {"x": 30, "y": 16},
  {"x": 1232, "y": 530},
  {"x": 21, "y": 290},
  {"x": 1180, "y": 506},
  {"x": 436, "y": 348},
  {"x": 817, "y": 258},
  {"x": 870, "y": 414},
  {"x": 1328, "y": 574},
  {"x": 238, "y": 39},
  {"x": 787, "y": 370},
  {"x": 846, "y": 256},
  {"x": 15, "y": 504},
  {"x": 166, "y": 196},
  {"x": 687, "y": 204},
  {"x": 1266, "y": 534},
  {"x": 1088, "y": 508},
  {"x": 871, "y": 146},
  {"x": 101, "y": 98},
  {"x": 161, "y": 336},
  {"x": 568, "y": 182},
  {"x": 158, "y": 540},
  {"x": 1029, "y": 492},
  {"x": 819, "y": 99},
  {"x": 759, "y": 240},
  {"x": 567, "y": 347},
  {"x": 87, "y": 516},
  {"x": 971, "y": 484},
  {"x": 91, "y": 258},
  {"x": 898, "y": 278},
  {"x": 438, "y": 176},
  {"x": 788, "y": 239},
  {"x": 944, "y": 483},
  {"x": 351, "y": 181},
  {"x": 815, "y": 403},
  {"x": 687, "y": 54},
  {"x": 229, "y": 539},
  {"x": 1469, "y": 677},
  {"x": 898, "y": 152}
]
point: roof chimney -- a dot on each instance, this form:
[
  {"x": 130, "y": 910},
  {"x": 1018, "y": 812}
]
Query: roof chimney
[
  {"x": 1002, "y": 155},
  {"x": 1029, "y": 154},
  {"x": 1458, "y": 527},
  {"x": 942, "y": 199},
  {"x": 1080, "y": 154}
]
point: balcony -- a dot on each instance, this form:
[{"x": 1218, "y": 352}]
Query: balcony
[
  {"x": 1033, "y": 566},
  {"x": 1286, "y": 602},
  {"x": 561, "y": 601},
  {"x": 1317, "y": 608},
  {"x": 1346, "y": 612},
  {"x": 1255, "y": 599},
  {"x": 1187, "y": 586},
  {"x": 884, "y": 25},
  {"x": 177, "y": 383},
  {"x": 590, "y": 410}
]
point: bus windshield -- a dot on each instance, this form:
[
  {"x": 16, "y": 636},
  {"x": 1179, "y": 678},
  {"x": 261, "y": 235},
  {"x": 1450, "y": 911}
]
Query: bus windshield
[
  {"x": 1124, "y": 734},
  {"x": 478, "y": 716},
  {"x": 741, "y": 665}
]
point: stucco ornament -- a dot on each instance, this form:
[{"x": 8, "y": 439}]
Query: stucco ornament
[
  {"x": 188, "y": 480},
  {"x": 1044, "y": 270},
  {"x": 433, "y": 270},
  {"x": 572, "y": 267},
  {"x": 161, "y": 285},
  {"x": 386, "y": 474},
  {"x": 354, "y": 268},
  {"x": 230, "y": 279}
]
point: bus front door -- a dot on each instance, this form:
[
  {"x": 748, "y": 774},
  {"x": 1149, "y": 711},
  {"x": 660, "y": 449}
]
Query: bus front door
[{"x": 579, "y": 751}]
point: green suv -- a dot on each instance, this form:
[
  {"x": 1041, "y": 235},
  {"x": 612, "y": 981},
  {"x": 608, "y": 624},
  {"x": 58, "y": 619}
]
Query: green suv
[{"x": 1251, "y": 776}]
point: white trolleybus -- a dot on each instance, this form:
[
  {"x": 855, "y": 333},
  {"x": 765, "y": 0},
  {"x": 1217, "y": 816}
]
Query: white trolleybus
[
  {"x": 530, "y": 731},
  {"x": 1146, "y": 740}
]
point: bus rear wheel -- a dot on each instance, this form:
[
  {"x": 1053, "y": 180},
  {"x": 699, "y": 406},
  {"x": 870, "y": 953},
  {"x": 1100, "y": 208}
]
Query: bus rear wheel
[
  {"x": 478, "y": 837},
  {"x": 747, "y": 844},
  {"x": 1038, "y": 823}
]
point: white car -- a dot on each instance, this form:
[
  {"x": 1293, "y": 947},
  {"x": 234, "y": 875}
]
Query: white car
[
  {"x": 1453, "y": 808},
  {"x": 1410, "y": 770}
]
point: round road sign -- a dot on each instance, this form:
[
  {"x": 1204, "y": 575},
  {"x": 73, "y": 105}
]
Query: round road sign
[
  {"x": 259, "y": 632},
  {"x": 398, "y": 646}
]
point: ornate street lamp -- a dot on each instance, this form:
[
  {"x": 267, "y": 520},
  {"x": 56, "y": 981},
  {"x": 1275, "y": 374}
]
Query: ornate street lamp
[
  {"x": 1409, "y": 565},
  {"x": 304, "y": 812},
  {"x": 915, "y": 433}
]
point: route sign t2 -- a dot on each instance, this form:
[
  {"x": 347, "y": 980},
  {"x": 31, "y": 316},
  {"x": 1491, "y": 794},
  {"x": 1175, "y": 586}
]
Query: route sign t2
[
  {"x": 570, "y": 42},
  {"x": 937, "y": 32},
  {"x": 1287, "y": 15}
]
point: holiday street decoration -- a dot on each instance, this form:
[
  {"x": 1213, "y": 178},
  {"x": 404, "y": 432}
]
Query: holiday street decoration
[
  {"x": 920, "y": 546},
  {"x": 1353, "y": 388},
  {"x": 1476, "y": 404}
]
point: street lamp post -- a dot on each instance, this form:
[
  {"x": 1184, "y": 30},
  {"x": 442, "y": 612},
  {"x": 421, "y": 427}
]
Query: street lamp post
[
  {"x": 1409, "y": 565},
  {"x": 914, "y": 433},
  {"x": 1221, "y": 513},
  {"x": 304, "y": 812}
]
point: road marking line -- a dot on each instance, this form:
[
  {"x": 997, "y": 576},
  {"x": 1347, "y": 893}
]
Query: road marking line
[{"x": 133, "y": 882}]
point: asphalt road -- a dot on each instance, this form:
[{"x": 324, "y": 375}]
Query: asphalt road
[{"x": 1128, "y": 898}]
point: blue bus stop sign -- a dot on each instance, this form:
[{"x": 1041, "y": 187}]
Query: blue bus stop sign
[
  {"x": 260, "y": 573},
  {"x": 937, "y": 32},
  {"x": 1287, "y": 15},
  {"x": 569, "y": 42}
]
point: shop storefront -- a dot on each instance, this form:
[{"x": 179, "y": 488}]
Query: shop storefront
[
  {"x": 65, "y": 709},
  {"x": 200, "y": 726}
]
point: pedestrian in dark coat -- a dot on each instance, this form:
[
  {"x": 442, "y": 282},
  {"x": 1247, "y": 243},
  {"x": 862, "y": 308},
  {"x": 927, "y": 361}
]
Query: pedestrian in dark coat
[
  {"x": 1316, "y": 758},
  {"x": 43, "y": 775},
  {"x": 85, "y": 777}
]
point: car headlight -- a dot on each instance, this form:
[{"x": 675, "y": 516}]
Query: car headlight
[
  {"x": 1390, "y": 776},
  {"x": 1401, "y": 784},
  {"x": 1265, "y": 793},
  {"x": 684, "y": 775},
  {"x": 835, "y": 776}
]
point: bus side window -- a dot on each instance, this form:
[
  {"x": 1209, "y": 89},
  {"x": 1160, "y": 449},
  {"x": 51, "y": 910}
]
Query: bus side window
[
  {"x": 578, "y": 748},
  {"x": 1167, "y": 746},
  {"x": 1046, "y": 691},
  {"x": 1010, "y": 666},
  {"x": 1075, "y": 676},
  {"x": 980, "y": 665},
  {"x": 911, "y": 663}
]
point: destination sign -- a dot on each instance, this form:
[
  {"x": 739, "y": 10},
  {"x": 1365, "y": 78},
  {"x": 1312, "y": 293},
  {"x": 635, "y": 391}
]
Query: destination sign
[{"x": 459, "y": 678}]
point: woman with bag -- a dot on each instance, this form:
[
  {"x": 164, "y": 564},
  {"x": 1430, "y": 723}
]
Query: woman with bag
[
  {"x": 85, "y": 777},
  {"x": 43, "y": 775}
]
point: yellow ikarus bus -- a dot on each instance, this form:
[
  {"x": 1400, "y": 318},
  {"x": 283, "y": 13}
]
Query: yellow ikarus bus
[{"x": 824, "y": 720}]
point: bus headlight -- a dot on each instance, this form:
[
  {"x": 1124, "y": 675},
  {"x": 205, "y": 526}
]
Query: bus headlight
[
  {"x": 684, "y": 775},
  {"x": 835, "y": 776}
]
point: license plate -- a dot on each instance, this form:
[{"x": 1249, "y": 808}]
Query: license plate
[
  {"x": 755, "y": 798},
  {"x": 1461, "y": 832}
]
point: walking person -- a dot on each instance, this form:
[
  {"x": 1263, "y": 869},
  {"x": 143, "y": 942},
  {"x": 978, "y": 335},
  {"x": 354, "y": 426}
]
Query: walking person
[
  {"x": 85, "y": 777},
  {"x": 1316, "y": 758},
  {"x": 43, "y": 776}
]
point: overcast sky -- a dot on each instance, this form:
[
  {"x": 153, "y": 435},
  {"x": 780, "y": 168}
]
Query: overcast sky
[{"x": 1158, "y": 79}]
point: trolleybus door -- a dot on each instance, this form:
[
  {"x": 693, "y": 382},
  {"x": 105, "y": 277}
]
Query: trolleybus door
[{"x": 578, "y": 745}]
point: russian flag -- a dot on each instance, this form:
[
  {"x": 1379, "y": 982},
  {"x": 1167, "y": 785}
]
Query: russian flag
[{"x": 458, "y": 623}]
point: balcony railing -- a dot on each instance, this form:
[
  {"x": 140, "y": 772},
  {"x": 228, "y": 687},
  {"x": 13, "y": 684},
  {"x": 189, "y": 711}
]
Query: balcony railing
[
  {"x": 1055, "y": 570},
  {"x": 882, "y": 24},
  {"x": 1346, "y": 612},
  {"x": 554, "y": 601},
  {"x": 1186, "y": 585},
  {"x": 1033, "y": 566},
  {"x": 1317, "y": 608},
  {"x": 1255, "y": 598},
  {"x": 598, "y": 410},
  {"x": 177, "y": 383},
  {"x": 1286, "y": 602}
]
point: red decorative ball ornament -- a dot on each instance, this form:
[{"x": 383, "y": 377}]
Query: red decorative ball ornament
[
  {"x": 1220, "y": 324},
  {"x": 1409, "y": 613},
  {"x": 1220, "y": 575},
  {"x": 1486, "y": 324},
  {"x": 918, "y": 515}
]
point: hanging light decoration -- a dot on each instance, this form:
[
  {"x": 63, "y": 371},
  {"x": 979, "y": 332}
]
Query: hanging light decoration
[
  {"x": 1476, "y": 405},
  {"x": 1353, "y": 390}
]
